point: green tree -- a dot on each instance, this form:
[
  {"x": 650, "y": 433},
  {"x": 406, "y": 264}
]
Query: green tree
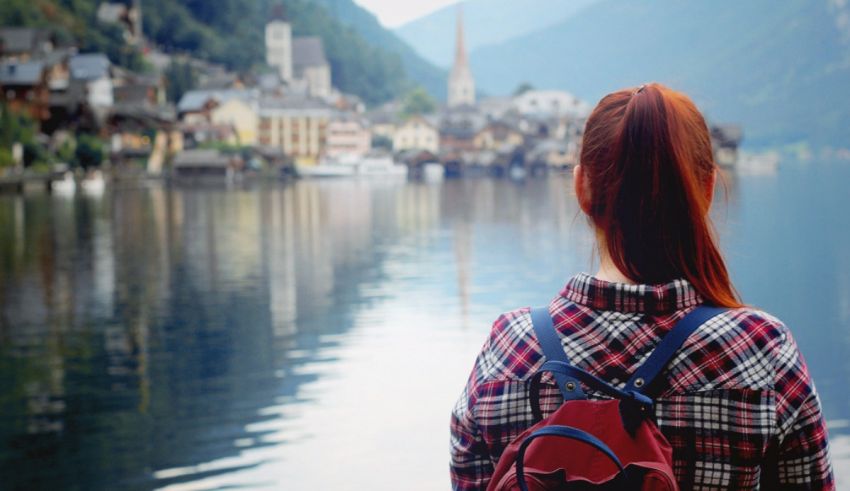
[
  {"x": 523, "y": 88},
  {"x": 16, "y": 127},
  {"x": 180, "y": 78},
  {"x": 417, "y": 102},
  {"x": 89, "y": 151}
]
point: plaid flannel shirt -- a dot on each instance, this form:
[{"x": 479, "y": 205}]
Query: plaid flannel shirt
[{"x": 736, "y": 402}]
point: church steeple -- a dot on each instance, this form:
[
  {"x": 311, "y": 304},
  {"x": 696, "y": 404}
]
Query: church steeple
[
  {"x": 460, "y": 49},
  {"x": 461, "y": 83}
]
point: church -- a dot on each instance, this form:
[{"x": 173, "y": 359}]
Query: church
[
  {"x": 461, "y": 84},
  {"x": 300, "y": 61}
]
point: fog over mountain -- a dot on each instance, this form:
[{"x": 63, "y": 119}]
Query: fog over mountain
[
  {"x": 780, "y": 69},
  {"x": 485, "y": 22}
]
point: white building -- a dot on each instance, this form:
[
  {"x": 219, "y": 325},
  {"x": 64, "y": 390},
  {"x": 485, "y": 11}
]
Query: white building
[
  {"x": 311, "y": 67},
  {"x": 461, "y": 83},
  {"x": 296, "y": 125},
  {"x": 551, "y": 103},
  {"x": 417, "y": 133},
  {"x": 347, "y": 136},
  {"x": 279, "y": 47},
  {"x": 91, "y": 77}
]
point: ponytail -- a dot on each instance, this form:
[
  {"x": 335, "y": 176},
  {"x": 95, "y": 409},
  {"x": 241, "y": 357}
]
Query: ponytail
[{"x": 648, "y": 158}]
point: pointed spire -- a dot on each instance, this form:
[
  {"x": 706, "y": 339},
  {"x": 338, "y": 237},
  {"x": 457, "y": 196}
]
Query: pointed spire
[{"x": 460, "y": 49}]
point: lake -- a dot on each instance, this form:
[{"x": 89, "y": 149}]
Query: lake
[{"x": 315, "y": 335}]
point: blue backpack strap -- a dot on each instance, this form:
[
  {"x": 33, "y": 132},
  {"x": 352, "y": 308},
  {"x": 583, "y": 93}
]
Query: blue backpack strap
[
  {"x": 550, "y": 341},
  {"x": 669, "y": 345}
]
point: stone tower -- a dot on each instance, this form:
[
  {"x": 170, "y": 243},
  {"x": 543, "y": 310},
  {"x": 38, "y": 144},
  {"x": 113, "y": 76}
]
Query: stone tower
[
  {"x": 279, "y": 44},
  {"x": 461, "y": 84}
]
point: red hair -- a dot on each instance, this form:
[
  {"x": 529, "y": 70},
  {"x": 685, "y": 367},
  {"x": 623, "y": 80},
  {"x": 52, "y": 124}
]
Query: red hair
[{"x": 648, "y": 160}]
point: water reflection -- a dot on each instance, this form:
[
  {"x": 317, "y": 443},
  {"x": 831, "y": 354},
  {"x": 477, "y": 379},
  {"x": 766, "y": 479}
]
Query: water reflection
[{"x": 312, "y": 334}]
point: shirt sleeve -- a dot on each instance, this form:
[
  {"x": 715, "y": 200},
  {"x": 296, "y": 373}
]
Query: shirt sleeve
[
  {"x": 471, "y": 466},
  {"x": 802, "y": 446}
]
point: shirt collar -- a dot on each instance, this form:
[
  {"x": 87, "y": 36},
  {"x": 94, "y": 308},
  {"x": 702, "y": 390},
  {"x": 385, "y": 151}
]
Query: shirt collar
[{"x": 598, "y": 294}]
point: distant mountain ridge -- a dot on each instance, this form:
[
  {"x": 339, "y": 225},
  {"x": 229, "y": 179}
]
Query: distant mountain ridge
[
  {"x": 486, "y": 22},
  {"x": 418, "y": 70},
  {"x": 780, "y": 69}
]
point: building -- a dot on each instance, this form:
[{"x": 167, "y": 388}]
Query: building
[
  {"x": 458, "y": 129},
  {"x": 551, "y": 103},
  {"x": 347, "y": 136},
  {"x": 498, "y": 135},
  {"x": 24, "y": 43},
  {"x": 311, "y": 67},
  {"x": 128, "y": 17},
  {"x": 461, "y": 83},
  {"x": 297, "y": 125},
  {"x": 301, "y": 62},
  {"x": 279, "y": 46},
  {"x": 198, "y": 105},
  {"x": 241, "y": 115},
  {"x": 24, "y": 88},
  {"x": 417, "y": 133},
  {"x": 91, "y": 80}
]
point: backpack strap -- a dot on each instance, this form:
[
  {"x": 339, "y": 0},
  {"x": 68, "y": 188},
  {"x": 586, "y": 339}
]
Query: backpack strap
[
  {"x": 645, "y": 375},
  {"x": 550, "y": 341}
]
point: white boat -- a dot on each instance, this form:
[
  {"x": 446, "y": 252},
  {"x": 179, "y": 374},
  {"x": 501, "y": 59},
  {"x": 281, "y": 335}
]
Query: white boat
[
  {"x": 66, "y": 186},
  {"x": 325, "y": 170},
  {"x": 94, "y": 183},
  {"x": 353, "y": 166},
  {"x": 433, "y": 172},
  {"x": 380, "y": 166}
]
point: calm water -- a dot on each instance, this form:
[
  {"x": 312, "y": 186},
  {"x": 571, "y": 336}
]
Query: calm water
[{"x": 316, "y": 335}]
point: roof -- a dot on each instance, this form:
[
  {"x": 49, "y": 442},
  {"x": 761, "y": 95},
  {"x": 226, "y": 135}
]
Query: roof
[
  {"x": 194, "y": 100},
  {"x": 294, "y": 102},
  {"x": 29, "y": 73},
  {"x": 89, "y": 66},
  {"x": 200, "y": 158},
  {"x": 20, "y": 39},
  {"x": 308, "y": 52}
]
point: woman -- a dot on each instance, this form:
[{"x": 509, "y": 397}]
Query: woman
[{"x": 736, "y": 403}]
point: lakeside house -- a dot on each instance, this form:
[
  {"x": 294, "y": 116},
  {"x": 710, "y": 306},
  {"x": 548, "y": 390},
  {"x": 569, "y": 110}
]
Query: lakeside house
[
  {"x": 347, "y": 136},
  {"x": 417, "y": 133},
  {"x": 295, "y": 124}
]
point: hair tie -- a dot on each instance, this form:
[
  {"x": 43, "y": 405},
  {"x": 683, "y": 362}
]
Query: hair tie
[{"x": 639, "y": 89}]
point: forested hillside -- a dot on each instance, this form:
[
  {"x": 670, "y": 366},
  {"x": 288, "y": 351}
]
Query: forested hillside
[{"x": 231, "y": 32}]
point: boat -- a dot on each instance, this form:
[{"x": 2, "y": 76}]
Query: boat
[
  {"x": 433, "y": 172},
  {"x": 353, "y": 166},
  {"x": 66, "y": 186},
  {"x": 94, "y": 183},
  {"x": 380, "y": 166},
  {"x": 327, "y": 167}
]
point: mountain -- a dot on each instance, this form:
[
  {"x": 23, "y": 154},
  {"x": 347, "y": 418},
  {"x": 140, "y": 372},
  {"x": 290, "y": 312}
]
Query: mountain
[
  {"x": 418, "y": 70},
  {"x": 485, "y": 22},
  {"x": 365, "y": 59},
  {"x": 232, "y": 32},
  {"x": 780, "y": 69}
]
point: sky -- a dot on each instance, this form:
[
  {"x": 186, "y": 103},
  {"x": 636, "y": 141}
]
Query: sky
[{"x": 394, "y": 13}]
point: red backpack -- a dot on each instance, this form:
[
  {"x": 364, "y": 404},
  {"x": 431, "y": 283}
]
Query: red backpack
[{"x": 594, "y": 444}]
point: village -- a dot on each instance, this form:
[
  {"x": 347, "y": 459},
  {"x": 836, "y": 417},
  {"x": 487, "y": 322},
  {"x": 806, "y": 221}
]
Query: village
[{"x": 287, "y": 121}]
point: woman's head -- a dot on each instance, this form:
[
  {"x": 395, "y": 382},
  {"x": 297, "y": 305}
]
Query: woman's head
[{"x": 646, "y": 180}]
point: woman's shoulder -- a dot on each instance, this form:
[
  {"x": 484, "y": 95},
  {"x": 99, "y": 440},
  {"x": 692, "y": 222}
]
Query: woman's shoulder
[
  {"x": 740, "y": 348},
  {"x": 747, "y": 322},
  {"x": 511, "y": 351}
]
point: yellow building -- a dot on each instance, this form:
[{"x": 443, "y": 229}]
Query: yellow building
[
  {"x": 417, "y": 133},
  {"x": 241, "y": 116},
  {"x": 296, "y": 125}
]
